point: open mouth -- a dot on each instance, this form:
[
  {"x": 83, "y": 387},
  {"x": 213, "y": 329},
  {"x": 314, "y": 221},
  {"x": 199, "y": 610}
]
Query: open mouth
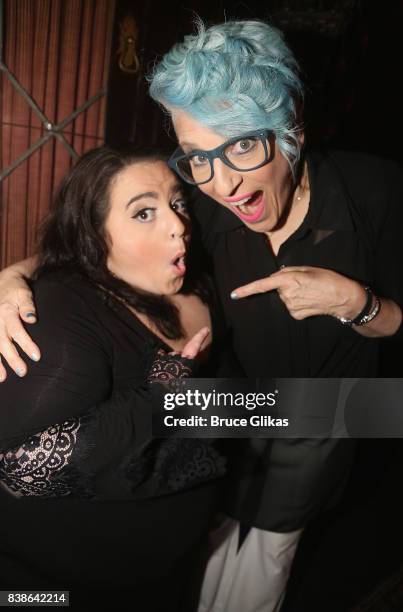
[
  {"x": 179, "y": 264},
  {"x": 250, "y": 208}
]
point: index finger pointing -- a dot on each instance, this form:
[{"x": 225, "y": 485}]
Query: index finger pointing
[
  {"x": 289, "y": 269},
  {"x": 260, "y": 286}
]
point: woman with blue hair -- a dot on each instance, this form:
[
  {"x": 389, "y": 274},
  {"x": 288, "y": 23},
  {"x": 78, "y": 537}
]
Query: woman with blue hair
[
  {"x": 312, "y": 239},
  {"x": 235, "y": 97}
]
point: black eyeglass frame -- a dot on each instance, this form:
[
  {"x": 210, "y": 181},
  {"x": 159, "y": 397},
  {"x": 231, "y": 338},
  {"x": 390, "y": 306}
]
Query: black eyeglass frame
[{"x": 218, "y": 153}]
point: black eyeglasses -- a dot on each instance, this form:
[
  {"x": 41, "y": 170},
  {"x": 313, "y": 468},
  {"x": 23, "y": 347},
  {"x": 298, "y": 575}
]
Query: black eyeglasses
[{"x": 244, "y": 153}]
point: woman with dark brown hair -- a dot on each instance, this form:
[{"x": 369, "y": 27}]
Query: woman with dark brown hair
[{"x": 88, "y": 500}]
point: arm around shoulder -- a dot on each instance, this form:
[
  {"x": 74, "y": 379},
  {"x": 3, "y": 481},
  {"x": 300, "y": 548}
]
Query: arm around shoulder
[{"x": 16, "y": 303}]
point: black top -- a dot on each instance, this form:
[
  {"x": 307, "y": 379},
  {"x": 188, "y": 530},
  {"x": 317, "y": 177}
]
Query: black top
[
  {"x": 92, "y": 474},
  {"x": 354, "y": 226}
]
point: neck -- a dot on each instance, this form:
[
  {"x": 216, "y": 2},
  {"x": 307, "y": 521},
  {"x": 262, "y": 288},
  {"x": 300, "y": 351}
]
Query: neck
[
  {"x": 302, "y": 189},
  {"x": 294, "y": 213},
  {"x": 297, "y": 203}
]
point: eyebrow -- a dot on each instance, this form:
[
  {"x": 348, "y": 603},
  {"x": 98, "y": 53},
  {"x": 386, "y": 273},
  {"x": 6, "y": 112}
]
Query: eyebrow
[
  {"x": 177, "y": 188},
  {"x": 146, "y": 194}
]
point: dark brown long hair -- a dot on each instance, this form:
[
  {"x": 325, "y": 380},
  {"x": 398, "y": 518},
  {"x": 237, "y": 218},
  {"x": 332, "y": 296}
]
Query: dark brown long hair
[{"x": 73, "y": 236}]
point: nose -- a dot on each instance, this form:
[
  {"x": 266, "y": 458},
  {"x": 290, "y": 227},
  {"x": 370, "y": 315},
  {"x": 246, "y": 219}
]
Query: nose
[
  {"x": 225, "y": 180},
  {"x": 177, "y": 227}
]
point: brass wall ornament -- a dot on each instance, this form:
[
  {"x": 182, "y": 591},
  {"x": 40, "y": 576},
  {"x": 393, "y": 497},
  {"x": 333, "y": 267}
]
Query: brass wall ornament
[{"x": 127, "y": 55}]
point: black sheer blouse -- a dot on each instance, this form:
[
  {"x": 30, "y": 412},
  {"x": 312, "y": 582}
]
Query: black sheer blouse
[
  {"x": 354, "y": 226},
  {"x": 80, "y": 421},
  {"x": 77, "y": 458}
]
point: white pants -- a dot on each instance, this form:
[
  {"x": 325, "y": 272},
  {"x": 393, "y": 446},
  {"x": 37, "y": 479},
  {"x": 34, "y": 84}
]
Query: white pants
[{"x": 250, "y": 580}]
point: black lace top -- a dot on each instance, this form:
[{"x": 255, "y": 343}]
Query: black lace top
[
  {"x": 87, "y": 497},
  {"x": 79, "y": 423}
]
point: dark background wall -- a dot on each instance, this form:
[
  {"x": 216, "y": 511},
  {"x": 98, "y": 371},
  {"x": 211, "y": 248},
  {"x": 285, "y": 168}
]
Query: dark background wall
[{"x": 350, "y": 53}]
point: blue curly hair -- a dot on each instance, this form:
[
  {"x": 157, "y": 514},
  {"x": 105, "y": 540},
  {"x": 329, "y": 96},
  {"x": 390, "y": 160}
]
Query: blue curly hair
[{"x": 233, "y": 78}]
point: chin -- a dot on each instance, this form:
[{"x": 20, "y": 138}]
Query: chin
[
  {"x": 266, "y": 227},
  {"x": 173, "y": 288},
  {"x": 261, "y": 227}
]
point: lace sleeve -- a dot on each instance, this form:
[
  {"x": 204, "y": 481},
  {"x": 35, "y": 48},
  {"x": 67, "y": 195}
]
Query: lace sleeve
[
  {"x": 40, "y": 466},
  {"x": 65, "y": 458},
  {"x": 63, "y": 428},
  {"x": 167, "y": 367}
]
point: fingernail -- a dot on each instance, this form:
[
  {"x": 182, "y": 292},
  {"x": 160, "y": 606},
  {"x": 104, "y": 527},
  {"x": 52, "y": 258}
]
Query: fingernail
[
  {"x": 35, "y": 356},
  {"x": 30, "y": 315},
  {"x": 20, "y": 372},
  {"x": 234, "y": 295},
  {"x": 1, "y": 378}
]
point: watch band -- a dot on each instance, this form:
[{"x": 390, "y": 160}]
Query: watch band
[
  {"x": 368, "y": 313},
  {"x": 371, "y": 315}
]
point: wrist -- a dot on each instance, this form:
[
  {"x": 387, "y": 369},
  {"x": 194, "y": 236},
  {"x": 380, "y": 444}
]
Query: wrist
[
  {"x": 7, "y": 274},
  {"x": 11, "y": 272},
  {"x": 20, "y": 269},
  {"x": 354, "y": 300},
  {"x": 369, "y": 311}
]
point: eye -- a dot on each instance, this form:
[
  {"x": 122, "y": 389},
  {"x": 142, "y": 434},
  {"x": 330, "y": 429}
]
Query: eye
[
  {"x": 198, "y": 159},
  {"x": 145, "y": 215},
  {"x": 180, "y": 206},
  {"x": 245, "y": 145}
]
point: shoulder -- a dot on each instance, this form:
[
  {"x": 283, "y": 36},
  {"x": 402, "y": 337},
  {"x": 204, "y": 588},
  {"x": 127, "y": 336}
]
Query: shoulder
[
  {"x": 367, "y": 174},
  {"x": 68, "y": 305},
  {"x": 63, "y": 290},
  {"x": 371, "y": 185}
]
